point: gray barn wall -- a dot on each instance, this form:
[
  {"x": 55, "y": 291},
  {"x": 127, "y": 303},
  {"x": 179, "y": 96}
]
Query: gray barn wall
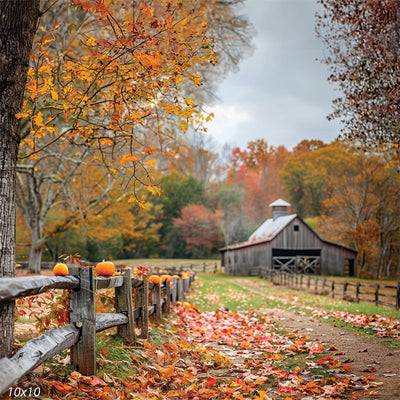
[{"x": 304, "y": 238}]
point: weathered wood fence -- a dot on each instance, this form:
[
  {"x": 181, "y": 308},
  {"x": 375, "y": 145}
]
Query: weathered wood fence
[
  {"x": 201, "y": 267},
  {"x": 380, "y": 294},
  {"x": 135, "y": 302}
]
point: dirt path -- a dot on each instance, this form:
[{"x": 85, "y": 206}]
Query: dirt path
[{"x": 364, "y": 356}]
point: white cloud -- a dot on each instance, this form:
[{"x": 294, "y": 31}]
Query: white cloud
[{"x": 281, "y": 93}]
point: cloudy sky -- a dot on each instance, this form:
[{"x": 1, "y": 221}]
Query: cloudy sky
[{"x": 281, "y": 92}]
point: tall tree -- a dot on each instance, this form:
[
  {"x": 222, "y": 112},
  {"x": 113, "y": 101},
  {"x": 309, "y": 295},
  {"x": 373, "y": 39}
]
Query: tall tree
[
  {"x": 362, "y": 210},
  {"x": 200, "y": 229},
  {"x": 363, "y": 55},
  {"x": 18, "y": 22},
  {"x": 306, "y": 176},
  {"x": 178, "y": 191}
]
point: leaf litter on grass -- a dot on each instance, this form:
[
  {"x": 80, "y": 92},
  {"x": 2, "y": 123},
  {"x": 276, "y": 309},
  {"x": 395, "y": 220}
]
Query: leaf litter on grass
[{"x": 219, "y": 354}]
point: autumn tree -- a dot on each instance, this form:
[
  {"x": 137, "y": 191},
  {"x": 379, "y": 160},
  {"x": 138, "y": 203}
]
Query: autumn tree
[
  {"x": 95, "y": 81},
  {"x": 199, "y": 228},
  {"x": 198, "y": 157},
  {"x": 362, "y": 43},
  {"x": 178, "y": 191},
  {"x": 235, "y": 224},
  {"x": 306, "y": 176},
  {"x": 362, "y": 210},
  {"x": 258, "y": 167},
  {"x": 120, "y": 230},
  {"x": 351, "y": 195}
]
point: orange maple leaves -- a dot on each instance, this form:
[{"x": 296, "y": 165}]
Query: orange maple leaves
[{"x": 115, "y": 73}]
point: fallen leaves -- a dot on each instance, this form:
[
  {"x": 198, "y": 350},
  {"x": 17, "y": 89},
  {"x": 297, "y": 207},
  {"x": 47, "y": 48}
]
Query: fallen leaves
[
  {"x": 222, "y": 354},
  {"x": 385, "y": 327}
]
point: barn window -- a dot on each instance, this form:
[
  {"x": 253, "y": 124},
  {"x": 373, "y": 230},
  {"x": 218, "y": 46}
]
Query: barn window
[{"x": 295, "y": 228}]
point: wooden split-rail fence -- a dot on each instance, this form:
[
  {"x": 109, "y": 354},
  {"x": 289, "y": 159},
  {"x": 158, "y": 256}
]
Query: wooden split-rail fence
[
  {"x": 379, "y": 294},
  {"x": 200, "y": 267},
  {"x": 131, "y": 314}
]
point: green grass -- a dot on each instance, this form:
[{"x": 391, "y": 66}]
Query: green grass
[
  {"x": 114, "y": 358},
  {"x": 285, "y": 295},
  {"x": 214, "y": 291}
]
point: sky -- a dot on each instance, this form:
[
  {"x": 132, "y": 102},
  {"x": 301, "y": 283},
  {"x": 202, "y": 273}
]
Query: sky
[{"x": 281, "y": 93}]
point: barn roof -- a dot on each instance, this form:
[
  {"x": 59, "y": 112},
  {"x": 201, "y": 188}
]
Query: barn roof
[
  {"x": 266, "y": 232},
  {"x": 270, "y": 228}
]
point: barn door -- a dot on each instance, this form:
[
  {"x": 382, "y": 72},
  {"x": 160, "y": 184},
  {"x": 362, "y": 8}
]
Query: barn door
[
  {"x": 303, "y": 261},
  {"x": 284, "y": 264},
  {"x": 308, "y": 264}
]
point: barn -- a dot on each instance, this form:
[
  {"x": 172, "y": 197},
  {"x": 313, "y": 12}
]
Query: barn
[{"x": 285, "y": 242}]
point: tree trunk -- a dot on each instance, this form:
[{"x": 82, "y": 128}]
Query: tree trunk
[
  {"x": 37, "y": 243},
  {"x": 18, "y": 19},
  {"x": 35, "y": 255},
  {"x": 382, "y": 257}
]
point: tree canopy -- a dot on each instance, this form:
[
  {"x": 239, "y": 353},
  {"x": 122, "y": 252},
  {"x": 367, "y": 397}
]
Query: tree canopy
[{"x": 362, "y": 43}]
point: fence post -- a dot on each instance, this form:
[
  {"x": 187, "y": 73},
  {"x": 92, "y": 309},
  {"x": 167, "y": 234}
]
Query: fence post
[
  {"x": 345, "y": 289},
  {"x": 186, "y": 286},
  {"x": 143, "y": 304},
  {"x": 398, "y": 296},
  {"x": 215, "y": 268},
  {"x": 358, "y": 292},
  {"x": 156, "y": 300},
  {"x": 83, "y": 315},
  {"x": 204, "y": 267},
  {"x": 174, "y": 291},
  {"x": 377, "y": 294},
  {"x": 179, "y": 292},
  {"x": 167, "y": 298},
  {"x": 333, "y": 288},
  {"x": 124, "y": 304}
]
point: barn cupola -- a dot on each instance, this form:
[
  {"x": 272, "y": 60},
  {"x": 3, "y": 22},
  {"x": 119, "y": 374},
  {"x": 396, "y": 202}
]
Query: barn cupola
[{"x": 279, "y": 208}]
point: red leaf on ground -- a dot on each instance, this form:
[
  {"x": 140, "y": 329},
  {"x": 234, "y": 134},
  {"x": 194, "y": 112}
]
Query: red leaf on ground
[{"x": 212, "y": 380}]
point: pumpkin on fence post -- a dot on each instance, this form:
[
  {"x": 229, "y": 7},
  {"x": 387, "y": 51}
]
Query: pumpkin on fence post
[
  {"x": 60, "y": 269},
  {"x": 105, "y": 268}
]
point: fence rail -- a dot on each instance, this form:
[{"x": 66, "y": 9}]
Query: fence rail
[
  {"x": 386, "y": 295},
  {"x": 200, "y": 267},
  {"x": 135, "y": 301}
]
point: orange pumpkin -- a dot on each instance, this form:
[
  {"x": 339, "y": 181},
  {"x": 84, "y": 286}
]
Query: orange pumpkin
[
  {"x": 176, "y": 276},
  {"x": 105, "y": 268},
  {"x": 60, "y": 269},
  {"x": 155, "y": 279},
  {"x": 166, "y": 278}
]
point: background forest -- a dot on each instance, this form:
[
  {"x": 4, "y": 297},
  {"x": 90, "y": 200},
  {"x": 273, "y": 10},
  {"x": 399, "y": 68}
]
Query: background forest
[
  {"x": 207, "y": 199},
  {"x": 114, "y": 160}
]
